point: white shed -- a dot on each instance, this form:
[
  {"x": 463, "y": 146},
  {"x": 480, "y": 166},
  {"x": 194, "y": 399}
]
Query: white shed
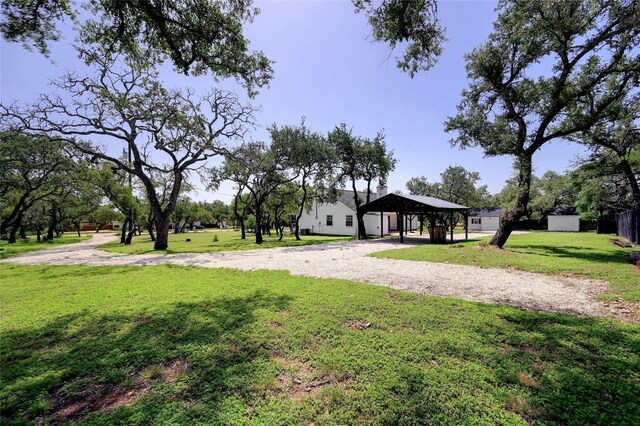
[
  {"x": 564, "y": 219},
  {"x": 339, "y": 218},
  {"x": 484, "y": 219}
]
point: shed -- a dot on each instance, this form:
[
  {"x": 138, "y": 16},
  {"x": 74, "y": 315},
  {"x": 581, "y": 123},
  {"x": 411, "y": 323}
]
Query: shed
[
  {"x": 484, "y": 219},
  {"x": 564, "y": 219}
]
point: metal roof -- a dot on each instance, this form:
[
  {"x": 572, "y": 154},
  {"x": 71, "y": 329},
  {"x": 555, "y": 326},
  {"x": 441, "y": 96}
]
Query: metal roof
[
  {"x": 410, "y": 204},
  {"x": 486, "y": 212}
]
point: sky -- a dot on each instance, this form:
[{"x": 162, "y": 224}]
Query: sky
[{"x": 328, "y": 70}]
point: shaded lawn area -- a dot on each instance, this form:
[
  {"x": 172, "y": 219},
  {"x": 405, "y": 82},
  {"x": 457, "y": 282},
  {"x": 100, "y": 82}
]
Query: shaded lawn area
[
  {"x": 227, "y": 241},
  {"x": 30, "y": 244},
  {"x": 184, "y": 345},
  {"x": 585, "y": 254}
]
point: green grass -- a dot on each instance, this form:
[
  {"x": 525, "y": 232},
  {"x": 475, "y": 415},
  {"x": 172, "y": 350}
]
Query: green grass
[
  {"x": 227, "y": 241},
  {"x": 30, "y": 244},
  {"x": 73, "y": 333},
  {"x": 584, "y": 254}
]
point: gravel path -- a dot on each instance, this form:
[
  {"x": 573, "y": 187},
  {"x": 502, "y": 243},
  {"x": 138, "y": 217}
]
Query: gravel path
[{"x": 349, "y": 260}]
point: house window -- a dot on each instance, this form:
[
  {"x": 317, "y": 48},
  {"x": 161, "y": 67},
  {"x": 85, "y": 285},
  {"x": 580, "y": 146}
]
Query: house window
[
  {"x": 329, "y": 220},
  {"x": 476, "y": 221},
  {"x": 349, "y": 221}
]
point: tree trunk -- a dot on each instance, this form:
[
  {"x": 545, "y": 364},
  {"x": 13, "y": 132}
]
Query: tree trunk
[
  {"x": 362, "y": 232},
  {"x": 162, "y": 230},
  {"x": 123, "y": 233},
  {"x": 132, "y": 229},
  {"x": 38, "y": 233},
  {"x": 258, "y": 214},
  {"x": 23, "y": 233},
  {"x": 52, "y": 225},
  {"x": 243, "y": 231},
  {"x": 301, "y": 210},
  {"x": 12, "y": 235},
  {"x": 511, "y": 218},
  {"x": 150, "y": 231},
  {"x": 633, "y": 182}
]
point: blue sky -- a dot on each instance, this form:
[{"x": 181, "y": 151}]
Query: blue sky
[{"x": 328, "y": 70}]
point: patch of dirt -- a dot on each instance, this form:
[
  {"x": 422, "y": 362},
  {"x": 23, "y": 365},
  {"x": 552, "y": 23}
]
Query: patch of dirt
[
  {"x": 357, "y": 324},
  {"x": 298, "y": 379},
  {"x": 98, "y": 398},
  {"x": 624, "y": 310},
  {"x": 523, "y": 407},
  {"x": 527, "y": 381},
  {"x": 276, "y": 324}
]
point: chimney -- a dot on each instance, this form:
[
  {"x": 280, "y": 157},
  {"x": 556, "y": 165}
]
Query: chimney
[{"x": 382, "y": 190}]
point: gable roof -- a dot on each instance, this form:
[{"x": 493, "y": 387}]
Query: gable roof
[
  {"x": 487, "y": 212},
  {"x": 411, "y": 204},
  {"x": 564, "y": 211},
  {"x": 346, "y": 198}
]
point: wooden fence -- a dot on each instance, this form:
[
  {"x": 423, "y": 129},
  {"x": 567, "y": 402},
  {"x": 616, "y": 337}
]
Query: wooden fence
[{"x": 628, "y": 225}]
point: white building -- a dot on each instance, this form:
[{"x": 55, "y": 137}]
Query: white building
[
  {"x": 564, "y": 219},
  {"x": 340, "y": 217},
  {"x": 484, "y": 219}
]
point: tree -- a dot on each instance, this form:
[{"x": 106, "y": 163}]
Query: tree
[
  {"x": 457, "y": 185},
  {"x": 310, "y": 157},
  {"x": 259, "y": 169},
  {"x": 198, "y": 36},
  {"x": 32, "y": 169},
  {"x": 511, "y": 107},
  {"x": 168, "y": 132},
  {"x": 551, "y": 191},
  {"x": 413, "y": 23},
  {"x": 360, "y": 159},
  {"x": 104, "y": 215},
  {"x": 615, "y": 143}
]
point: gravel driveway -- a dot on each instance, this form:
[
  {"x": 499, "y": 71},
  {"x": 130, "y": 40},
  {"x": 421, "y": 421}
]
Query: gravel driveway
[{"x": 349, "y": 260}]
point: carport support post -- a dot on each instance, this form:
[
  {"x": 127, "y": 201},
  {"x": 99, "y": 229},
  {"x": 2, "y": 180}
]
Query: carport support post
[
  {"x": 381, "y": 224},
  {"x": 451, "y": 224},
  {"x": 466, "y": 225},
  {"x": 421, "y": 223},
  {"x": 401, "y": 227}
]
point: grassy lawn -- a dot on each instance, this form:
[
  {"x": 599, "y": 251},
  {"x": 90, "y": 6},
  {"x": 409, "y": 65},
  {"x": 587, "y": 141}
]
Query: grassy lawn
[
  {"x": 177, "y": 345},
  {"x": 559, "y": 253},
  {"x": 227, "y": 241},
  {"x": 24, "y": 246}
]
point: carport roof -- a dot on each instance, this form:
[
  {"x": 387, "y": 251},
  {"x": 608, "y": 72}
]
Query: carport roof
[{"x": 410, "y": 204}]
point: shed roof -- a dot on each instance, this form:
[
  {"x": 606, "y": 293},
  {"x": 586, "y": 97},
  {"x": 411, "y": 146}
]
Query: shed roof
[
  {"x": 411, "y": 204},
  {"x": 487, "y": 212}
]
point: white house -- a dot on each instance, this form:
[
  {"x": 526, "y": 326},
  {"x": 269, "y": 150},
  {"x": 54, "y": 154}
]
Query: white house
[
  {"x": 484, "y": 219},
  {"x": 564, "y": 219},
  {"x": 340, "y": 218}
]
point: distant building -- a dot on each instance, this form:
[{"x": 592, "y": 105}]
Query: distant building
[
  {"x": 564, "y": 219},
  {"x": 340, "y": 218},
  {"x": 484, "y": 219}
]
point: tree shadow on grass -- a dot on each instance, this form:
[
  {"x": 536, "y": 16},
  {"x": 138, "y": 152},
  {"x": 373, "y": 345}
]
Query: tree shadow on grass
[
  {"x": 575, "y": 370},
  {"x": 62, "y": 362},
  {"x": 572, "y": 252}
]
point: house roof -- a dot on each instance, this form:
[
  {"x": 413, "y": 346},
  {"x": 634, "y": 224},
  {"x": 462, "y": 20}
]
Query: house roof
[
  {"x": 411, "y": 204},
  {"x": 346, "y": 197},
  {"x": 487, "y": 212},
  {"x": 565, "y": 211}
]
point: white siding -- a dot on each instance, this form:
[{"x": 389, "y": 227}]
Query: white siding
[
  {"x": 487, "y": 223},
  {"x": 316, "y": 220},
  {"x": 564, "y": 223}
]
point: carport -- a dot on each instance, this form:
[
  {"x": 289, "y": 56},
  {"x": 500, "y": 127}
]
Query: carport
[{"x": 414, "y": 205}]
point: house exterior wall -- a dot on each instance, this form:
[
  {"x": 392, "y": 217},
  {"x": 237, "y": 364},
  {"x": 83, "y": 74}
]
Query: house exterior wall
[
  {"x": 564, "y": 223},
  {"x": 316, "y": 220},
  {"x": 487, "y": 223},
  {"x": 413, "y": 226}
]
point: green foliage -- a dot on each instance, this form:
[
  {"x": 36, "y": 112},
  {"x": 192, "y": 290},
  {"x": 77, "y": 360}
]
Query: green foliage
[
  {"x": 557, "y": 253},
  {"x": 198, "y": 36},
  {"x": 201, "y": 242},
  {"x": 457, "y": 185},
  {"x": 410, "y": 23},
  {"x": 247, "y": 335}
]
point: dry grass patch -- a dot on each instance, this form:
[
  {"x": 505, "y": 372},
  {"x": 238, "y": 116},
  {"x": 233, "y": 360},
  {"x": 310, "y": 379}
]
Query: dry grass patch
[
  {"x": 98, "y": 398},
  {"x": 299, "y": 379},
  {"x": 357, "y": 324}
]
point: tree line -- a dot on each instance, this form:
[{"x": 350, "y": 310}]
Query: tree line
[{"x": 548, "y": 71}]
